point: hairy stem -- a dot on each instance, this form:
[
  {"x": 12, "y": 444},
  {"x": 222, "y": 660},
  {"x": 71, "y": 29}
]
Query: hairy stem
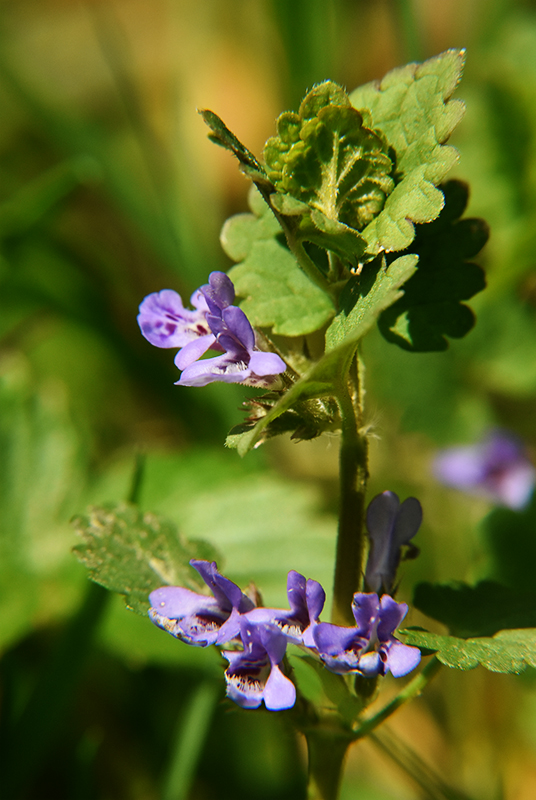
[{"x": 353, "y": 467}]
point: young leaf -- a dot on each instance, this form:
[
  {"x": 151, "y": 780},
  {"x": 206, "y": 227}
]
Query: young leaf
[
  {"x": 431, "y": 306},
  {"x": 133, "y": 552},
  {"x": 507, "y": 651},
  {"x": 413, "y": 109},
  {"x": 277, "y": 293},
  {"x": 479, "y": 610},
  {"x": 220, "y": 134},
  {"x": 327, "y": 157}
]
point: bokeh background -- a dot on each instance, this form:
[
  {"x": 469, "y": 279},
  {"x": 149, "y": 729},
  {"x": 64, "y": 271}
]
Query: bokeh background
[{"x": 110, "y": 189}]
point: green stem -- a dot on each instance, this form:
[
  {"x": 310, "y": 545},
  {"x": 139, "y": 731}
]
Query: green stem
[
  {"x": 326, "y": 751},
  {"x": 409, "y": 692},
  {"x": 353, "y": 461}
]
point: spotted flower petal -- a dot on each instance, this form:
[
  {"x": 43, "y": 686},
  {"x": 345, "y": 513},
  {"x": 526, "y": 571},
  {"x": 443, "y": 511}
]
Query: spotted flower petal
[
  {"x": 254, "y": 674},
  {"x": 198, "y": 619},
  {"x": 306, "y": 599},
  {"x": 165, "y": 322},
  {"x": 370, "y": 648}
]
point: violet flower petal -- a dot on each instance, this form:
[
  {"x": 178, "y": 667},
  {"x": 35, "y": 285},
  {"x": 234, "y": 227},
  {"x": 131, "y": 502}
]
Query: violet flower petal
[
  {"x": 279, "y": 692},
  {"x": 402, "y": 658},
  {"x": 254, "y": 675},
  {"x": 218, "y": 292},
  {"x": 221, "y": 368},
  {"x": 391, "y": 525},
  {"x": 164, "y": 321}
]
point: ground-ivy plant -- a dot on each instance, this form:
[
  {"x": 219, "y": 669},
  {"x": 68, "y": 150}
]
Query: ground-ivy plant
[{"x": 353, "y": 223}]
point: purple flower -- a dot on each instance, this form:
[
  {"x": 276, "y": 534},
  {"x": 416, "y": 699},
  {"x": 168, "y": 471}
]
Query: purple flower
[
  {"x": 165, "y": 322},
  {"x": 306, "y": 600},
  {"x": 497, "y": 468},
  {"x": 370, "y": 648},
  {"x": 197, "y": 618},
  {"x": 391, "y": 525},
  {"x": 253, "y": 674},
  {"x": 240, "y": 363},
  {"x": 215, "y": 324}
]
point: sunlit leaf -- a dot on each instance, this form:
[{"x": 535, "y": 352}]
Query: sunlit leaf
[
  {"x": 364, "y": 306},
  {"x": 133, "y": 552},
  {"x": 220, "y": 134},
  {"x": 366, "y": 295},
  {"x": 507, "y": 651},
  {"x": 327, "y": 157},
  {"x": 277, "y": 293},
  {"x": 413, "y": 109}
]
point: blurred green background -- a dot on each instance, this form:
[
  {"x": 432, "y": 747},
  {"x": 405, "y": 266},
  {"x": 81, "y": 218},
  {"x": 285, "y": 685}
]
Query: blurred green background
[{"x": 110, "y": 190}]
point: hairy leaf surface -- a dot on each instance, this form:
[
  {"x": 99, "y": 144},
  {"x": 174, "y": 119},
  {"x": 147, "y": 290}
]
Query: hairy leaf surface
[
  {"x": 413, "y": 109},
  {"x": 133, "y": 552},
  {"x": 277, "y": 294},
  {"x": 342, "y": 342},
  {"x": 507, "y": 651},
  {"x": 327, "y": 157}
]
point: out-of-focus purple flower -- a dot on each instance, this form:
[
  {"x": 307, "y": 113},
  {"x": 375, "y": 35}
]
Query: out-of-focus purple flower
[
  {"x": 391, "y": 525},
  {"x": 165, "y": 322},
  {"x": 497, "y": 468},
  {"x": 306, "y": 599},
  {"x": 253, "y": 674},
  {"x": 197, "y": 618},
  {"x": 370, "y": 648}
]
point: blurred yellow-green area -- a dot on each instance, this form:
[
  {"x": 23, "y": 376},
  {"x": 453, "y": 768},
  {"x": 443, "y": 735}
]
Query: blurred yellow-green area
[{"x": 109, "y": 190}]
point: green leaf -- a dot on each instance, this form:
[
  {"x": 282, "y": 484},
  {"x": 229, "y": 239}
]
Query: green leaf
[
  {"x": 133, "y": 552},
  {"x": 374, "y": 295},
  {"x": 366, "y": 295},
  {"x": 479, "y": 610},
  {"x": 220, "y": 134},
  {"x": 507, "y": 651},
  {"x": 413, "y": 109},
  {"x": 277, "y": 293},
  {"x": 431, "y": 306},
  {"x": 327, "y": 157}
]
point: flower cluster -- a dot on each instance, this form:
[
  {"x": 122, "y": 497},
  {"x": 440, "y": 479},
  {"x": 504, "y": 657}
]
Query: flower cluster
[
  {"x": 215, "y": 324},
  {"x": 260, "y": 635},
  {"x": 497, "y": 468}
]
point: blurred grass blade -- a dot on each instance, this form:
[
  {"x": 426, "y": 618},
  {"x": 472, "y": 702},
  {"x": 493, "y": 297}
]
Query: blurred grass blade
[{"x": 190, "y": 738}]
